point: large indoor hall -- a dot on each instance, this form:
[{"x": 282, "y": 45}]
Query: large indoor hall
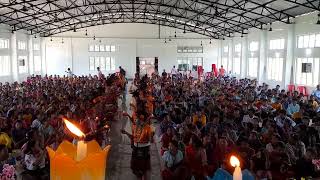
[{"x": 159, "y": 89}]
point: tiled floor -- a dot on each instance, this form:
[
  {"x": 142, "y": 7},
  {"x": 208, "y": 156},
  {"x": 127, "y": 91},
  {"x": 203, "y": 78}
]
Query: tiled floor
[{"x": 120, "y": 155}]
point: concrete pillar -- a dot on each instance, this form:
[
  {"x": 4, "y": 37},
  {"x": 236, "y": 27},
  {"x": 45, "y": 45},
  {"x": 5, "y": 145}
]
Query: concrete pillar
[
  {"x": 289, "y": 61},
  {"x": 14, "y": 57},
  {"x": 263, "y": 44},
  {"x": 244, "y": 57}
]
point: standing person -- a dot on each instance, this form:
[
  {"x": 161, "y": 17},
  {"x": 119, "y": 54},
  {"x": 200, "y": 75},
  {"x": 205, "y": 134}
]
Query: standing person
[
  {"x": 141, "y": 137},
  {"x": 164, "y": 73},
  {"x": 222, "y": 71},
  {"x": 174, "y": 72},
  {"x": 122, "y": 71},
  {"x": 100, "y": 75},
  {"x": 69, "y": 73},
  {"x": 316, "y": 93}
]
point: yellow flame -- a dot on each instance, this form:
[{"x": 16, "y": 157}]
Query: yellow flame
[
  {"x": 73, "y": 128},
  {"x": 234, "y": 161}
]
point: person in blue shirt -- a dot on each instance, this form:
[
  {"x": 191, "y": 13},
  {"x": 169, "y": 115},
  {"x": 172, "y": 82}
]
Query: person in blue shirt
[
  {"x": 316, "y": 93},
  {"x": 293, "y": 108}
]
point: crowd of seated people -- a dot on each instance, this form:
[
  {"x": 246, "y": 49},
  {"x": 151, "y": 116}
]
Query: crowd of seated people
[
  {"x": 31, "y": 117},
  {"x": 203, "y": 122}
]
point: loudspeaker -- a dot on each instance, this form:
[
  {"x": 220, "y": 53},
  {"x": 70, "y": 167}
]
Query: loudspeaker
[
  {"x": 156, "y": 64},
  {"x": 137, "y": 65},
  {"x": 306, "y": 67},
  {"x": 22, "y": 62}
]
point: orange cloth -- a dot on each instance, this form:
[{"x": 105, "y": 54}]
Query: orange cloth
[
  {"x": 276, "y": 106},
  {"x": 142, "y": 135},
  {"x": 203, "y": 119}
]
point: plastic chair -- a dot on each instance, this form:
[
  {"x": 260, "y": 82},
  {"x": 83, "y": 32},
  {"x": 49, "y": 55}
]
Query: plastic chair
[
  {"x": 303, "y": 90},
  {"x": 291, "y": 88},
  {"x": 208, "y": 74}
]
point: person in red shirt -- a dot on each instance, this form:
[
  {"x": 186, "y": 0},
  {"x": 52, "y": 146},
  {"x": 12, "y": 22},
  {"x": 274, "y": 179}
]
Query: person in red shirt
[{"x": 222, "y": 71}]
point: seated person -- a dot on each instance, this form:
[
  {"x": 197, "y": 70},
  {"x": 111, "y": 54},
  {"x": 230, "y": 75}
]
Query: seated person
[
  {"x": 173, "y": 162},
  {"x": 293, "y": 107}
]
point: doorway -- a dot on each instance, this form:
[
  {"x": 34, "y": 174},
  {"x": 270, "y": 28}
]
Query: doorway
[{"x": 146, "y": 65}]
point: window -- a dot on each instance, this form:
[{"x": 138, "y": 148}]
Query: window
[
  {"x": 22, "y": 45},
  {"x": 5, "y": 66},
  {"x": 102, "y": 48},
  {"x": 108, "y": 48},
  {"x": 91, "y": 48},
  {"x": 36, "y": 47},
  {"x": 276, "y": 44},
  {"x": 22, "y": 64},
  {"x": 224, "y": 63},
  {"x": 37, "y": 63},
  {"x": 102, "y": 63},
  {"x": 226, "y": 49},
  {"x": 236, "y": 65},
  {"x": 183, "y": 64},
  {"x": 113, "y": 64},
  {"x": 96, "y": 48},
  {"x": 189, "y": 63},
  {"x": 190, "y": 49},
  {"x": 308, "y": 41},
  {"x": 307, "y": 71},
  {"x": 4, "y": 44},
  {"x": 105, "y": 63},
  {"x": 237, "y": 48},
  {"x": 254, "y": 46},
  {"x": 113, "y": 48},
  {"x": 253, "y": 67},
  {"x": 275, "y": 68},
  {"x": 91, "y": 63}
]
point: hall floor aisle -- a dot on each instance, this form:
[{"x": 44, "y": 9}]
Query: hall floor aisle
[{"x": 118, "y": 164}]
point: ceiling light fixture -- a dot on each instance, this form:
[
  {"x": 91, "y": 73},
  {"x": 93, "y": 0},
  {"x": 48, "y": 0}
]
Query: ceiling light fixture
[
  {"x": 318, "y": 22},
  {"x": 270, "y": 29},
  {"x": 288, "y": 20}
]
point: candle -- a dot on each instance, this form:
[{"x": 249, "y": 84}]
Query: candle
[
  {"x": 81, "y": 145},
  {"x": 83, "y": 161},
  {"x": 237, "y": 174}
]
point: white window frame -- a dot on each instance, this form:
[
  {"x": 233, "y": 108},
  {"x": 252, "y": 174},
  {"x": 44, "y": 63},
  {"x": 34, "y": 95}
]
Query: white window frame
[
  {"x": 22, "y": 45},
  {"x": 4, "y": 43},
  {"x": 37, "y": 64},
  {"x": 5, "y": 65}
]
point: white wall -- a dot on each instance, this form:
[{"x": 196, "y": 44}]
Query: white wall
[
  {"x": 13, "y": 52},
  {"x": 74, "y": 52}
]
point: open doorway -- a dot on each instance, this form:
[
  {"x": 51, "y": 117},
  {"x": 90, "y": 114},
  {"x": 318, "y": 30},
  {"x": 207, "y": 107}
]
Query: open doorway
[{"x": 146, "y": 65}]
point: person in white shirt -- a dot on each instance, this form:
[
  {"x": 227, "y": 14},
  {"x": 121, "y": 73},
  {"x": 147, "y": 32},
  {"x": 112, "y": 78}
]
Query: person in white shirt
[
  {"x": 100, "y": 75},
  {"x": 250, "y": 117},
  {"x": 316, "y": 93},
  {"x": 281, "y": 119},
  {"x": 173, "y": 158},
  {"x": 174, "y": 72},
  {"x": 69, "y": 72}
]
